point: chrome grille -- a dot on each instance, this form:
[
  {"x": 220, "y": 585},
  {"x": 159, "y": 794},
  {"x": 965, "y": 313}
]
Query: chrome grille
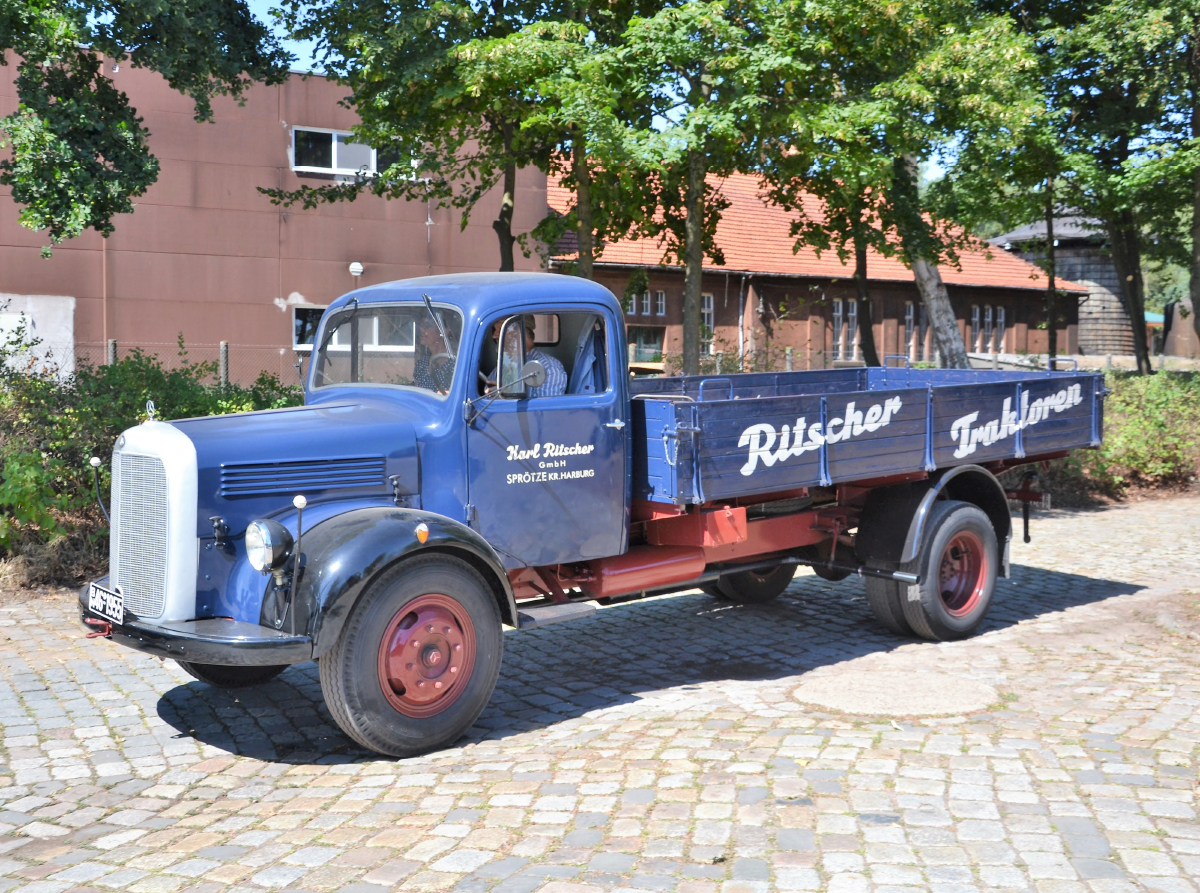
[{"x": 138, "y": 549}]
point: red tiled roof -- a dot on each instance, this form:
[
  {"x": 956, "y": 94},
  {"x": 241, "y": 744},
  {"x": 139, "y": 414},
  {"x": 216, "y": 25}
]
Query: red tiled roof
[{"x": 755, "y": 236}]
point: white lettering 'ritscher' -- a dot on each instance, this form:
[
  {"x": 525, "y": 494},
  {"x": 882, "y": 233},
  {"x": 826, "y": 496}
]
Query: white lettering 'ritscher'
[
  {"x": 968, "y": 435},
  {"x": 795, "y": 440}
]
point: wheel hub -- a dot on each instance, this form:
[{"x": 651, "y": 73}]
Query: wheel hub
[
  {"x": 426, "y": 655},
  {"x": 962, "y": 573}
]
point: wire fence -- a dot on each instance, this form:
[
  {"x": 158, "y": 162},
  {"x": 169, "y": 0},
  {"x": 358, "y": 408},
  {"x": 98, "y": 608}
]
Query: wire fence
[{"x": 224, "y": 362}]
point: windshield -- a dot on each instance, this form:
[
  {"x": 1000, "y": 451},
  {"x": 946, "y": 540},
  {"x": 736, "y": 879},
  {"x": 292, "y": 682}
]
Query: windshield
[{"x": 389, "y": 344}]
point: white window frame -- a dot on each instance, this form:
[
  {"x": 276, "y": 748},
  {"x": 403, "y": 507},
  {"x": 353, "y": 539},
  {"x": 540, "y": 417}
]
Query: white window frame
[
  {"x": 910, "y": 327},
  {"x": 335, "y": 170},
  {"x": 707, "y": 320},
  {"x": 988, "y": 329},
  {"x": 373, "y": 345},
  {"x": 973, "y": 334},
  {"x": 304, "y": 348},
  {"x": 852, "y": 329},
  {"x": 646, "y": 303},
  {"x": 839, "y": 323},
  {"x": 662, "y": 303},
  {"x": 631, "y": 305},
  {"x": 1000, "y": 328}
]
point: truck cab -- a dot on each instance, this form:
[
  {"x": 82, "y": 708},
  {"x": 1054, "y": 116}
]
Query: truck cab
[{"x": 472, "y": 453}]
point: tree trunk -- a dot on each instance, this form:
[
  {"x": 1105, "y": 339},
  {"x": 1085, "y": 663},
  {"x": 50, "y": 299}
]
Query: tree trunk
[
  {"x": 585, "y": 229},
  {"x": 1127, "y": 258},
  {"x": 946, "y": 336},
  {"x": 866, "y": 331},
  {"x": 503, "y": 222},
  {"x": 1051, "y": 289},
  {"x": 693, "y": 260}
]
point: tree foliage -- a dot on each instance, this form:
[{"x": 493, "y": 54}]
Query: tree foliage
[{"x": 79, "y": 152}]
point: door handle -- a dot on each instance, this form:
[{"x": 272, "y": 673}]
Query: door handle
[{"x": 618, "y": 424}]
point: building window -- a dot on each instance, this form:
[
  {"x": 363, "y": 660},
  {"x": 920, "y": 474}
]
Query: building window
[
  {"x": 973, "y": 331},
  {"x": 662, "y": 303},
  {"x": 304, "y": 327},
  {"x": 852, "y": 328},
  {"x": 923, "y": 352},
  {"x": 909, "y": 328},
  {"x": 706, "y": 322},
  {"x": 838, "y": 323},
  {"x": 987, "y": 329},
  {"x": 320, "y": 151},
  {"x": 646, "y": 343},
  {"x": 646, "y": 304},
  {"x": 631, "y": 305},
  {"x": 999, "y": 330}
]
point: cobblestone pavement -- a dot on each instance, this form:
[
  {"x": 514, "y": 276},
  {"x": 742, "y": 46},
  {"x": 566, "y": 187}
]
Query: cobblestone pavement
[{"x": 654, "y": 747}]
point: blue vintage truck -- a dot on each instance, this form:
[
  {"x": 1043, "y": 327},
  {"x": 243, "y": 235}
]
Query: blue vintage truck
[{"x": 472, "y": 453}]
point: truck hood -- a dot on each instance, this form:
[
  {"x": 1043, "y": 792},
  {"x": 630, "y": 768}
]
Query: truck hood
[{"x": 251, "y": 465}]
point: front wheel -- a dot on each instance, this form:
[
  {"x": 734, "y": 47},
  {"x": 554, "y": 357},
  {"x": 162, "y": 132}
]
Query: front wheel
[
  {"x": 418, "y": 658},
  {"x": 231, "y": 677},
  {"x": 957, "y": 566}
]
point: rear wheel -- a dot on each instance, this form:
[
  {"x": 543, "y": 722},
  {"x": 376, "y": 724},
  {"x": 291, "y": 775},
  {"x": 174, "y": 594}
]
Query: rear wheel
[
  {"x": 231, "y": 677},
  {"x": 957, "y": 566},
  {"x": 418, "y": 658},
  {"x": 753, "y": 587},
  {"x": 886, "y": 598}
]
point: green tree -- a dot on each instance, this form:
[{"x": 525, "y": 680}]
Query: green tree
[
  {"x": 79, "y": 152},
  {"x": 431, "y": 85},
  {"x": 1123, "y": 77},
  {"x": 905, "y": 84},
  {"x": 697, "y": 71}
]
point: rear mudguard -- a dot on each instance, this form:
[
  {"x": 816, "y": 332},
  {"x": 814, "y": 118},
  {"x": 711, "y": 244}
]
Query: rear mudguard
[
  {"x": 892, "y": 524},
  {"x": 343, "y": 555}
]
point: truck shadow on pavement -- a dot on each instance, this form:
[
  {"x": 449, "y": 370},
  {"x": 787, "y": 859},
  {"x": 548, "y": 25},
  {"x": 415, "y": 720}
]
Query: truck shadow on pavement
[{"x": 618, "y": 656}]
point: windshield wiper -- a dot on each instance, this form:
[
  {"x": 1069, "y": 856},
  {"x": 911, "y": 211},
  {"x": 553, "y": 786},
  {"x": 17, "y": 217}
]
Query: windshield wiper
[{"x": 437, "y": 322}]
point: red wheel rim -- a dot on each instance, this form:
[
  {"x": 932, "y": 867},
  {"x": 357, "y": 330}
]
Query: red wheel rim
[
  {"x": 426, "y": 656},
  {"x": 962, "y": 573}
]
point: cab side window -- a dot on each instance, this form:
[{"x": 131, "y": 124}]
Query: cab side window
[{"x": 571, "y": 347}]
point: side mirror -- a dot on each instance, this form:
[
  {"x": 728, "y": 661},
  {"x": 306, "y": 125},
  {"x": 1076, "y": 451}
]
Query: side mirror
[
  {"x": 533, "y": 373},
  {"x": 511, "y": 360}
]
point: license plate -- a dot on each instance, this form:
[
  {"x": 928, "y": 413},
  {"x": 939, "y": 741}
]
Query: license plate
[{"x": 106, "y": 603}]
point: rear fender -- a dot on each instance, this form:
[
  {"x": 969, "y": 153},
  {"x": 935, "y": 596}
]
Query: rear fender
[
  {"x": 343, "y": 555},
  {"x": 892, "y": 524}
]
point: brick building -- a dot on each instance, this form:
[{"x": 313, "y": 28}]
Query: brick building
[
  {"x": 767, "y": 300},
  {"x": 206, "y": 255}
]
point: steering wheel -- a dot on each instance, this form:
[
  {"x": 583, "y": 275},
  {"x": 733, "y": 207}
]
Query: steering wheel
[{"x": 438, "y": 361}]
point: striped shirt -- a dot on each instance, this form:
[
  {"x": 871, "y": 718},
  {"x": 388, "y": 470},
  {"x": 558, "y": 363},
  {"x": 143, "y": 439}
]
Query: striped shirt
[{"x": 556, "y": 375}]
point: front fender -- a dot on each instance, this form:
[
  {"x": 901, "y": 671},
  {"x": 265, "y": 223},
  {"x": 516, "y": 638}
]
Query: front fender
[{"x": 341, "y": 556}]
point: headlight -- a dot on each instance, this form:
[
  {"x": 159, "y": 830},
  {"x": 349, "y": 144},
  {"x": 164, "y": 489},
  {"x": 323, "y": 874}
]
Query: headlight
[{"x": 268, "y": 545}]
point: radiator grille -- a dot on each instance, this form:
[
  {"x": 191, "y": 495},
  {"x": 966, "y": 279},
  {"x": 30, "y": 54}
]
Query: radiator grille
[
  {"x": 269, "y": 478},
  {"x": 138, "y": 556}
]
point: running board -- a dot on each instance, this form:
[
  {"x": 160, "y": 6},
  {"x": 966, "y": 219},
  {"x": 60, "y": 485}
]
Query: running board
[{"x": 532, "y": 618}]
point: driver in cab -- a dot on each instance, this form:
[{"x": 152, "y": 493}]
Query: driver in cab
[{"x": 556, "y": 376}]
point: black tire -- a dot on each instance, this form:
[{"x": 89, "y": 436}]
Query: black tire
[
  {"x": 940, "y": 609},
  {"x": 351, "y": 671},
  {"x": 886, "y": 598},
  {"x": 231, "y": 677},
  {"x": 755, "y": 587}
]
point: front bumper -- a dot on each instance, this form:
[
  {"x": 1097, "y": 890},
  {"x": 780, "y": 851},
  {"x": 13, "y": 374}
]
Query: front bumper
[{"x": 230, "y": 643}]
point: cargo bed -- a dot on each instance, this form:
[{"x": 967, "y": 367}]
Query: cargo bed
[{"x": 703, "y": 438}]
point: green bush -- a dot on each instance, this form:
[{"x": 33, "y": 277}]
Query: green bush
[
  {"x": 1151, "y": 437},
  {"x": 51, "y": 424}
]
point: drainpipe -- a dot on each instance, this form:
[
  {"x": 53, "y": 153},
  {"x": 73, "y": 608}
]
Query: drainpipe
[{"x": 742, "y": 325}]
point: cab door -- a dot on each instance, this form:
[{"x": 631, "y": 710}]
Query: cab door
[{"x": 547, "y": 474}]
